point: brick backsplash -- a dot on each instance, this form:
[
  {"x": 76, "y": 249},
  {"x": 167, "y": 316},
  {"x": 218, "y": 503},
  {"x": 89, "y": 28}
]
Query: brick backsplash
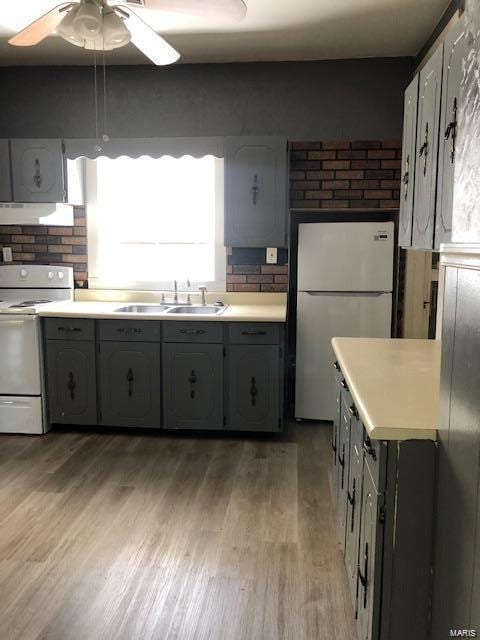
[{"x": 328, "y": 174}]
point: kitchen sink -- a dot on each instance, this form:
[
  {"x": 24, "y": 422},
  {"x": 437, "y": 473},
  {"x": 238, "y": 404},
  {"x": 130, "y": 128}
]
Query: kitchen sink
[
  {"x": 142, "y": 308},
  {"x": 208, "y": 310}
]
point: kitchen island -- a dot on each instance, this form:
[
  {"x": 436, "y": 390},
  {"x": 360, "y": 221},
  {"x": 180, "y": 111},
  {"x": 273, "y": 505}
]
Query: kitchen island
[{"x": 383, "y": 477}]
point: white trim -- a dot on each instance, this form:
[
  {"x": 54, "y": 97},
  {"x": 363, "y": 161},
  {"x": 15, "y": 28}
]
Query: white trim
[
  {"x": 136, "y": 147},
  {"x": 460, "y": 255}
]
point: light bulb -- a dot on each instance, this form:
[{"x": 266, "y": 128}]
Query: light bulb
[
  {"x": 66, "y": 29},
  {"x": 88, "y": 21},
  {"x": 115, "y": 33}
]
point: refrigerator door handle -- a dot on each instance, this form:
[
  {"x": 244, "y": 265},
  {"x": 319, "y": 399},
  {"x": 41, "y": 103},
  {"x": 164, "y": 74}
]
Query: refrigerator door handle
[{"x": 348, "y": 294}]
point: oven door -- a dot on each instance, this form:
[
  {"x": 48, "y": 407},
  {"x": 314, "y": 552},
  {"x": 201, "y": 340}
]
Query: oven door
[{"x": 19, "y": 355}]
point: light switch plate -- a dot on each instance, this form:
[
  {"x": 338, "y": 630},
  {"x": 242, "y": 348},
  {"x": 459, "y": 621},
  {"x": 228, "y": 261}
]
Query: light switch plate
[
  {"x": 7, "y": 254},
  {"x": 271, "y": 255}
]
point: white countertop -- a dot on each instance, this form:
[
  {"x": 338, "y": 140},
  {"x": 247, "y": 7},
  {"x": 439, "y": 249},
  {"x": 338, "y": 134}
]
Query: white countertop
[{"x": 394, "y": 384}]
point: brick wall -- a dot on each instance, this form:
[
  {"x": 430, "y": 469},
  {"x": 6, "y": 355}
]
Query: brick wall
[
  {"x": 62, "y": 246},
  {"x": 342, "y": 174}
]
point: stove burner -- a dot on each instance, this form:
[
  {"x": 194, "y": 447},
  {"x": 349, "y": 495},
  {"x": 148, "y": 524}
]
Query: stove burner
[{"x": 29, "y": 303}]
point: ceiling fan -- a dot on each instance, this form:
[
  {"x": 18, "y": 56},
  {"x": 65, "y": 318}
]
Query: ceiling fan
[{"x": 103, "y": 25}]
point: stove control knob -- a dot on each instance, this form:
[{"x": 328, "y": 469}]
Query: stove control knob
[
  {"x": 23, "y": 273},
  {"x": 61, "y": 275},
  {"x": 50, "y": 275}
]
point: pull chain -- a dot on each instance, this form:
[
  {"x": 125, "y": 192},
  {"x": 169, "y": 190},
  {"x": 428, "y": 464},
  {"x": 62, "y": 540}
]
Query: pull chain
[
  {"x": 105, "y": 134},
  {"x": 96, "y": 91}
]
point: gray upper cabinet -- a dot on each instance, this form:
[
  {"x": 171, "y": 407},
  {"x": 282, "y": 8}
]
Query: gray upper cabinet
[
  {"x": 408, "y": 163},
  {"x": 193, "y": 386},
  {"x": 130, "y": 384},
  {"x": 5, "y": 175},
  {"x": 255, "y": 192},
  {"x": 72, "y": 386},
  {"x": 452, "y": 74},
  {"x": 428, "y": 123},
  {"x": 37, "y": 170}
]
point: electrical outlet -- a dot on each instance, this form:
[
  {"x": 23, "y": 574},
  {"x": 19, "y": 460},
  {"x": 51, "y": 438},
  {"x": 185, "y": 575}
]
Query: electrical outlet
[
  {"x": 7, "y": 254},
  {"x": 271, "y": 255}
]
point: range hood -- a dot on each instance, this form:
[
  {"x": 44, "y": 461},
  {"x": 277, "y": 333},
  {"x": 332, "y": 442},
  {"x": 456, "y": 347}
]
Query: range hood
[{"x": 60, "y": 215}]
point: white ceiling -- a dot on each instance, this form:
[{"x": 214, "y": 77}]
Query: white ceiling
[{"x": 272, "y": 30}]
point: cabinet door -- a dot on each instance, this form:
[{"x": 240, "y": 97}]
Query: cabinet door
[
  {"x": 255, "y": 380},
  {"x": 343, "y": 459},
  {"x": 5, "y": 175},
  {"x": 354, "y": 497},
  {"x": 37, "y": 170},
  {"x": 193, "y": 386},
  {"x": 130, "y": 384},
  {"x": 428, "y": 124},
  {"x": 72, "y": 386},
  {"x": 408, "y": 163},
  {"x": 255, "y": 192},
  {"x": 336, "y": 430},
  {"x": 369, "y": 561},
  {"x": 452, "y": 75}
]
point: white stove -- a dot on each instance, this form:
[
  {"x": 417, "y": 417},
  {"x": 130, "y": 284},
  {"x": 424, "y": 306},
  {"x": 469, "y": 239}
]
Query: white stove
[{"x": 23, "y": 290}]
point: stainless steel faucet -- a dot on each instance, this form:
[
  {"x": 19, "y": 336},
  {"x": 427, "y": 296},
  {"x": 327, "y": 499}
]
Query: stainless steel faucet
[
  {"x": 203, "y": 290},
  {"x": 175, "y": 295}
]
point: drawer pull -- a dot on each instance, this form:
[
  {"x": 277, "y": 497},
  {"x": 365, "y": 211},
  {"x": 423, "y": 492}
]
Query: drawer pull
[
  {"x": 367, "y": 447},
  {"x": 363, "y": 578},
  {"x": 192, "y": 332},
  {"x": 351, "y": 500},
  {"x": 352, "y": 410},
  {"x": 336, "y": 366},
  {"x": 344, "y": 384},
  {"x": 70, "y": 329},
  {"x": 254, "y": 333}
]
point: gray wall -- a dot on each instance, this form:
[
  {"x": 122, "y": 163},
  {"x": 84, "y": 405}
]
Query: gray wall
[
  {"x": 466, "y": 210},
  {"x": 343, "y": 99}
]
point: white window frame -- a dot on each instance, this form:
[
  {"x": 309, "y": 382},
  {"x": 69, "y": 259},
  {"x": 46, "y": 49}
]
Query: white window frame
[{"x": 96, "y": 281}]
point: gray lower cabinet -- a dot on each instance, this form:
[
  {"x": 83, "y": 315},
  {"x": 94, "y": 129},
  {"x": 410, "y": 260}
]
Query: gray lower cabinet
[
  {"x": 384, "y": 502},
  {"x": 130, "y": 384},
  {"x": 255, "y": 192},
  {"x": 336, "y": 432},
  {"x": 193, "y": 386},
  {"x": 37, "y": 170},
  {"x": 254, "y": 387},
  {"x": 72, "y": 386}
]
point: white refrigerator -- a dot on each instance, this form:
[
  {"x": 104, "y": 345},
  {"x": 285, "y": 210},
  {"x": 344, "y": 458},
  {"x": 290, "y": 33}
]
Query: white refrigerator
[{"x": 345, "y": 282}]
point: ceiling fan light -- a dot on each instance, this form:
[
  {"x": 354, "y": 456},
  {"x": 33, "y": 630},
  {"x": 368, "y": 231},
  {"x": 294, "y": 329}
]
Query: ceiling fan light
[
  {"x": 115, "y": 33},
  {"x": 88, "y": 20},
  {"x": 66, "y": 29}
]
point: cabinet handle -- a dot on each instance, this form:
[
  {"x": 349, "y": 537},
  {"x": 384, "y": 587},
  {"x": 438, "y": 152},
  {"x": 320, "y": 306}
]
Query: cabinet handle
[
  {"x": 192, "y": 332},
  {"x": 364, "y": 578},
  {"x": 193, "y": 381},
  {"x": 70, "y": 329},
  {"x": 406, "y": 175},
  {"x": 254, "y": 333},
  {"x": 130, "y": 379},
  {"x": 352, "y": 410},
  {"x": 424, "y": 149},
  {"x": 344, "y": 384},
  {"x": 37, "y": 176},
  {"x": 367, "y": 446},
  {"x": 341, "y": 461},
  {"x": 334, "y": 446},
  {"x": 71, "y": 385},
  {"x": 255, "y": 189},
  {"x": 451, "y": 130},
  {"x": 351, "y": 499},
  {"x": 336, "y": 366},
  {"x": 128, "y": 330},
  {"x": 253, "y": 391}
]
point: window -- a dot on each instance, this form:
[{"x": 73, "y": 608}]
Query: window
[{"x": 152, "y": 221}]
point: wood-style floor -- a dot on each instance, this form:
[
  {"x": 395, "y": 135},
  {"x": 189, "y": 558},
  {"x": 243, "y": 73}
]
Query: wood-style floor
[{"x": 136, "y": 536}]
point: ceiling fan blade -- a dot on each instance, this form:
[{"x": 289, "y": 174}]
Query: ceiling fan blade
[
  {"x": 41, "y": 28},
  {"x": 230, "y": 9},
  {"x": 146, "y": 39}
]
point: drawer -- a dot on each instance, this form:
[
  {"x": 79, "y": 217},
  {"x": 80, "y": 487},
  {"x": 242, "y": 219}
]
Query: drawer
[
  {"x": 69, "y": 329},
  {"x": 129, "y": 330},
  {"x": 376, "y": 460},
  {"x": 253, "y": 333},
  {"x": 193, "y": 331}
]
